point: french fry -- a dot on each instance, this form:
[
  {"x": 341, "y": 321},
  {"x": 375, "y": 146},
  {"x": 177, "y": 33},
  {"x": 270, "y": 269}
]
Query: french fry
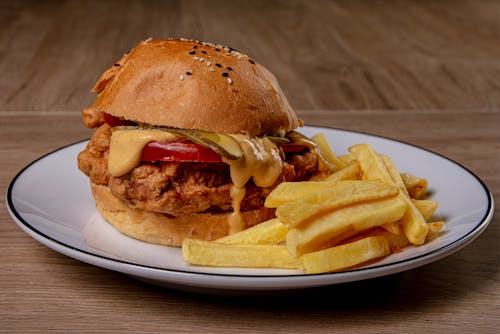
[
  {"x": 290, "y": 191},
  {"x": 271, "y": 232},
  {"x": 392, "y": 227},
  {"x": 347, "y": 158},
  {"x": 327, "y": 151},
  {"x": 414, "y": 224},
  {"x": 339, "y": 194},
  {"x": 330, "y": 229},
  {"x": 214, "y": 254},
  {"x": 394, "y": 173},
  {"x": 416, "y": 186},
  {"x": 373, "y": 168},
  {"x": 434, "y": 229},
  {"x": 425, "y": 206},
  {"x": 396, "y": 241},
  {"x": 345, "y": 256},
  {"x": 349, "y": 172}
]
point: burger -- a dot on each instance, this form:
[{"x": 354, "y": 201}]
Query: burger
[{"x": 190, "y": 137}]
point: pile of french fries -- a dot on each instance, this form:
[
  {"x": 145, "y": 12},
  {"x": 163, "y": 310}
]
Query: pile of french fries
[{"x": 362, "y": 212}]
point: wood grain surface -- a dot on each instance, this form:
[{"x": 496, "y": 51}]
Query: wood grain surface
[{"x": 423, "y": 72}]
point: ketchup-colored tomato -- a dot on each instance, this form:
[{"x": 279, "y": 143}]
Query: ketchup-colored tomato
[{"x": 178, "y": 151}]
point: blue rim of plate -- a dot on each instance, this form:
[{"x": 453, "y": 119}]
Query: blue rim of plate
[{"x": 481, "y": 225}]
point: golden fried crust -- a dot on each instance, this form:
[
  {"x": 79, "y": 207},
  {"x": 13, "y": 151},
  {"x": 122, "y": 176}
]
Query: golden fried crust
[{"x": 93, "y": 160}]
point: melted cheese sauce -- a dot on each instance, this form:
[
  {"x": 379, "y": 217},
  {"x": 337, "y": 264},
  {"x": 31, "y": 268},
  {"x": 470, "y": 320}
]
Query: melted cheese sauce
[
  {"x": 236, "y": 221},
  {"x": 261, "y": 162},
  {"x": 126, "y": 147}
]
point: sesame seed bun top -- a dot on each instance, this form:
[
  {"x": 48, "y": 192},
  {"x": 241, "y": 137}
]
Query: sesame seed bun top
[{"x": 194, "y": 85}]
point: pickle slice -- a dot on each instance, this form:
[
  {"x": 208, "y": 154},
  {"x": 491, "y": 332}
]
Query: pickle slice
[{"x": 223, "y": 144}]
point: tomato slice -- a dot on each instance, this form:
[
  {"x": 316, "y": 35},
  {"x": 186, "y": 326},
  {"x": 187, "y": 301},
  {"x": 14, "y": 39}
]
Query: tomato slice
[{"x": 182, "y": 151}]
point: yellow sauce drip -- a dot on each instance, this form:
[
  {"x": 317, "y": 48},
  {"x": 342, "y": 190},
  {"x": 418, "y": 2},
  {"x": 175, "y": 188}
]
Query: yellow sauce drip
[
  {"x": 261, "y": 162},
  {"x": 126, "y": 147},
  {"x": 236, "y": 221}
]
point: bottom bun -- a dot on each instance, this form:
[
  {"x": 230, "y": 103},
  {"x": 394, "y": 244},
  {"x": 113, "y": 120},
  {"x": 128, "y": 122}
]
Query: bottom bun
[{"x": 167, "y": 230}]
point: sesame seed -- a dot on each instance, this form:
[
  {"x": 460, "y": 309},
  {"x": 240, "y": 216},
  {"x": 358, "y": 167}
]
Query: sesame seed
[
  {"x": 181, "y": 77},
  {"x": 251, "y": 61},
  {"x": 218, "y": 65},
  {"x": 189, "y": 73},
  {"x": 229, "y": 80},
  {"x": 211, "y": 69},
  {"x": 201, "y": 60},
  {"x": 229, "y": 68},
  {"x": 116, "y": 64},
  {"x": 196, "y": 58},
  {"x": 217, "y": 47},
  {"x": 209, "y": 63},
  {"x": 225, "y": 74},
  {"x": 192, "y": 52}
]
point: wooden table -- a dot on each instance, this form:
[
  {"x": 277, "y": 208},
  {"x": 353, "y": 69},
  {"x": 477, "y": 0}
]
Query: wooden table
[{"x": 423, "y": 72}]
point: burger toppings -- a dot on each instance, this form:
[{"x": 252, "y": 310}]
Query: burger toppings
[
  {"x": 127, "y": 144},
  {"x": 258, "y": 158}
]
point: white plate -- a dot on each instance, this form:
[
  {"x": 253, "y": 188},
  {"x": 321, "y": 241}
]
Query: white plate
[{"x": 51, "y": 201}]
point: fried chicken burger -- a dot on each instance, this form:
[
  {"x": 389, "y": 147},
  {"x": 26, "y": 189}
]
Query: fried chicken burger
[{"x": 190, "y": 139}]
